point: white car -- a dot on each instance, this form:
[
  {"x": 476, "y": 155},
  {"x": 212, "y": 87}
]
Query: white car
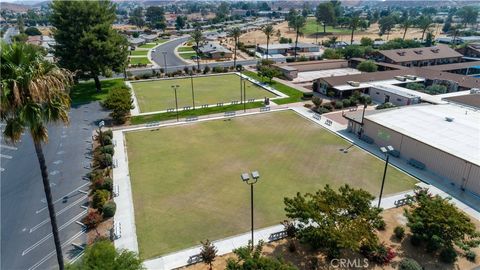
[{"x": 153, "y": 50}]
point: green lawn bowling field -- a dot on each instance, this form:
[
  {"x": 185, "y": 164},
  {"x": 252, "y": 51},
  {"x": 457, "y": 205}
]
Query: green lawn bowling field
[
  {"x": 158, "y": 95},
  {"x": 186, "y": 179}
]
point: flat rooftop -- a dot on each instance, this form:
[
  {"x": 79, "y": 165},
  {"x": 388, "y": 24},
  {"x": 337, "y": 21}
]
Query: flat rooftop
[
  {"x": 472, "y": 100},
  {"x": 427, "y": 124}
]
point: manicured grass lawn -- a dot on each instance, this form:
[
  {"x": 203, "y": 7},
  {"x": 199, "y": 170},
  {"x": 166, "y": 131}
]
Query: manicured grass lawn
[
  {"x": 139, "y": 60},
  {"x": 293, "y": 94},
  {"x": 311, "y": 28},
  {"x": 139, "y": 53},
  {"x": 158, "y": 95},
  {"x": 188, "y": 55},
  {"x": 185, "y": 49},
  {"x": 85, "y": 91},
  {"x": 186, "y": 179},
  {"x": 153, "y": 44}
]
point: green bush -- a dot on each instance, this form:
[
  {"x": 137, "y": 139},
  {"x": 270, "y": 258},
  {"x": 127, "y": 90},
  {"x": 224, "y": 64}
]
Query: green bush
[
  {"x": 399, "y": 232},
  {"x": 108, "y": 133},
  {"x": 217, "y": 69},
  {"x": 100, "y": 197},
  {"x": 104, "y": 160},
  {"x": 448, "y": 255},
  {"x": 322, "y": 110},
  {"x": 120, "y": 102},
  {"x": 92, "y": 219},
  {"x": 109, "y": 209},
  {"x": 107, "y": 149},
  {"x": 346, "y": 103},
  {"x": 107, "y": 184},
  {"x": 470, "y": 255},
  {"x": 409, "y": 264},
  {"x": 367, "y": 66},
  {"x": 338, "y": 105},
  {"x": 328, "y": 106},
  {"x": 381, "y": 225},
  {"x": 307, "y": 96}
]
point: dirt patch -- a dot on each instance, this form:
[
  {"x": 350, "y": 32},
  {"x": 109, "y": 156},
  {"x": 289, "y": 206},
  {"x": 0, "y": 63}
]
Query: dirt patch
[{"x": 304, "y": 257}]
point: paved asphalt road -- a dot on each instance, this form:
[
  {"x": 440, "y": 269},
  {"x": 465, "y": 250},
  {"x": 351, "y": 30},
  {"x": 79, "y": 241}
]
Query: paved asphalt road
[
  {"x": 26, "y": 232},
  {"x": 169, "y": 47},
  {"x": 7, "y": 36}
]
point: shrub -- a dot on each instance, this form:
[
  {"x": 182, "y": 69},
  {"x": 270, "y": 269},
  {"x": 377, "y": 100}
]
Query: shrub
[
  {"x": 346, "y": 103},
  {"x": 108, "y": 133},
  {"x": 100, "y": 197},
  {"x": 292, "y": 247},
  {"x": 322, "y": 110},
  {"x": 307, "y": 96},
  {"x": 338, "y": 105},
  {"x": 119, "y": 100},
  {"x": 367, "y": 66},
  {"x": 409, "y": 264},
  {"x": 308, "y": 105},
  {"x": 470, "y": 255},
  {"x": 109, "y": 209},
  {"x": 107, "y": 184},
  {"x": 416, "y": 240},
  {"x": 328, "y": 106},
  {"x": 239, "y": 67},
  {"x": 92, "y": 220},
  {"x": 103, "y": 160},
  {"x": 380, "y": 254},
  {"x": 97, "y": 184},
  {"x": 317, "y": 101},
  {"x": 381, "y": 225},
  {"x": 107, "y": 149},
  {"x": 33, "y": 31},
  {"x": 206, "y": 70},
  {"x": 399, "y": 232},
  {"x": 448, "y": 255},
  {"x": 97, "y": 173},
  {"x": 217, "y": 69}
]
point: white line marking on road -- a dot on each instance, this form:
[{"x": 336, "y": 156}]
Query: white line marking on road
[
  {"x": 50, "y": 234},
  {"x": 61, "y": 198},
  {"x": 34, "y": 228},
  {"x": 49, "y": 255},
  {"x": 5, "y": 156},
  {"x": 8, "y": 147}
]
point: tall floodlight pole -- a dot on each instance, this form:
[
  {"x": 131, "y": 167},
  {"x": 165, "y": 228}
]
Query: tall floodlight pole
[
  {"x": 175, "y": 87},
  {"x": 193, "y": 93},
  {"x": 244, "y": 96},
  {"x": 165, "y": 61},
  {"x": 386, "y": 150},
  {"x": 246, "y": 178},
  {"x": 241, "y": 91}
]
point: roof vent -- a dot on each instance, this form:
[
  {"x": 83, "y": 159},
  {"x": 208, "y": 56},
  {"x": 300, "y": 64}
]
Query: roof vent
[
  {"x": 354, "y": 84},
  {"x": 402, "y": 53},
  {"x": 418, "y": 51},
  {"x": 400, "y": 78},
  {"x": 475, "y": 91},
  {"x": 435, "y": 50},
  {"x": 411, "y": 77},
  {"x": 449, "y": 119}
]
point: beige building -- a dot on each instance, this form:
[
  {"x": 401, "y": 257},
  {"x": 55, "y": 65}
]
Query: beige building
[
  {"x": 420, "y": 57},
  {"x": 442, "y": 139}
]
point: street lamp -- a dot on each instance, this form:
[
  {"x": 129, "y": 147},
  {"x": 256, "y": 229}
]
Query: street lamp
[
  {"x": 244, "y": 97},
  {"x": 386, "y": 150},
  {"x": 193, "y": 93},
  {"x": 175, "y": 87},
  {"x": 165, "y": 61},
  {"x": 246, "y": 178}
]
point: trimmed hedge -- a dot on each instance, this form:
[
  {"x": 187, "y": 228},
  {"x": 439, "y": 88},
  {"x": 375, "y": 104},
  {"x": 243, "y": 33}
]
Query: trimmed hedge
[{"x": 109, "y": 209}]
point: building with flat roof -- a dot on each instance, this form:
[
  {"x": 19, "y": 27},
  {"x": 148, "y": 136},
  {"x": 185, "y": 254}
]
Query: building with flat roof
[
  {"x": 442, "y": 139},
  {"x": 419, "y": 57},
  {"x": 288, "y": 48}
]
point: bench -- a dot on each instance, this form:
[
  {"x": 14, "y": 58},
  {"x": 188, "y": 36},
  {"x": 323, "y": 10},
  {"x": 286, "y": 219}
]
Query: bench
[
  {"x": 187, "y": 108},
  {"x": 251, "y": 100},
  {"x": 395, "y": 153},
  {"x": 115, "y": 163},
  {"x": 328, "y": 122},
  {"x": 204, "y": 106},
  {"x": 277, "y": 236},
  {"x": 234, "y": 102},
  {"x": 117, "y": 230},
  {"x": 402, "y": 202},
  {"x": 417, "y": 164},
  {"x": 317, "y": 116},
  {"x": 194, "y": 259},
  {"x": 191, "y": 118},
  {"x": 116, "y": 191},
  {"x": 170, "y": 109},
  {"x": 367, "y": 139},
  {"x": 220, "y": 104},
  {"x": 230, "y": 114},
  {"x": 265, "y": 109},
  {"x": 152, "y": 124}
]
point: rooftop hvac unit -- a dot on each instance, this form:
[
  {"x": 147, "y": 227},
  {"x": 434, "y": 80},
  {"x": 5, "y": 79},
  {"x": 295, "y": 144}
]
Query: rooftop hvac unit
[
  {"x": 474, "y": 91},
  {"x": 411, "y": 77},
  {"x": 400, "y": 78},
  {"x": 354, "y": 84},
  {"x": 449, "y": 119}
]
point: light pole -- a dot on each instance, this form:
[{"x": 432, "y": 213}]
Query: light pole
[
  {"x": 244, "y": 97},
  {"x": 165, "y": 61},
  {"x": 193, "y": 93},
  {"x": 175, "y": 87},
  {"x": 386, "y": 151},
  {"x": 246, "y": 178},
  {"x": 241, "y": 92}
]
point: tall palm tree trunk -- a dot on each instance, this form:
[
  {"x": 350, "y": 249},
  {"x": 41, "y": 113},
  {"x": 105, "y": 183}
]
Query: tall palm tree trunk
[
  {"x": 296, "y": 43},
  {"x": 235, "y": 54},
  {"x": 405, "y": 33},
  {"x": 198, "y": 57},
  {"x": 423, "y": 33},
  {"x": 268, "y": 41},
  {"x": 351, "y": 38},
  {"x": 51, "y": 208}
]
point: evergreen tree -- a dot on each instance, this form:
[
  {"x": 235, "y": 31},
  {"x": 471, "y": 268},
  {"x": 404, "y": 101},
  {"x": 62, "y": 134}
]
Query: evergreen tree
[{"x": 86, "y": 42}]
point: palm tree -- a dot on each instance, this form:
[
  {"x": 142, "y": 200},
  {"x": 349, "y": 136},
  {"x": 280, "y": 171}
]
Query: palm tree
[
  {"x": 354, "y": 23},
  {"x": 197, "y": 38},
  {"x": 405, "y": 25},
  {"x": 424, "y": 23},
  {"x": 33, "y": 94},
  {"x": 298, "y": 22},
  {"x": 268, "y": 31},
  {"x": 235, "y": 33}
]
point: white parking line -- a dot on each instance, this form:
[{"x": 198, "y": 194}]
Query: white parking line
[
  {"x": 8, "y": 147},
  {"x": 5, "y": 156},
  {"x": 51, "y": 254},
  {"x": 61, "y": 198},
  {"x": 34, "y": 228},
  {"x": 50, "y": 234}
]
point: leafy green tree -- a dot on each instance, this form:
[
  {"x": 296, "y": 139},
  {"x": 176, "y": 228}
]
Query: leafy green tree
[
  {"x": 268, "y": 72},
  {"x": 119, "y": 100},
  {"x": 332, "y": 54},
  {"x": 424, "y": 23},
  {"x": 155, "y": 16},
  {"x": 415, "y": 86},
  {"x": 386, "y": 24},
  {"x": 367, "y": 66},
  {"x": 353, "y": 51},
  {"x": 249, "y": 259},
  {"x": 180, "y": 22},
  {"x": 33, "y": 31},
  {"x": 103, "y": 255},
  {"x": 468, "y": 14},
  {"x": 268, "y": 31},
  {"x": 33, "y": 95},
  {"x": 343, "y": 219},
  {"x": 435, "y": 89},
  {"x": 354, "y": 23},
  {"x": 366, "y": 41},
  {"x": 208, "y": 253},
  {"x": 236, "y": 33},
  {"x": 438, "y": 223},
  {"x": 136, "y": 17},
  {"x": 197, "y": 37},
  {"x": 325, "y": 14},
  {"x": 405, "y": 25},
  {"x": 429, "y": 39},
  {"x": 85, "y": 40}
]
